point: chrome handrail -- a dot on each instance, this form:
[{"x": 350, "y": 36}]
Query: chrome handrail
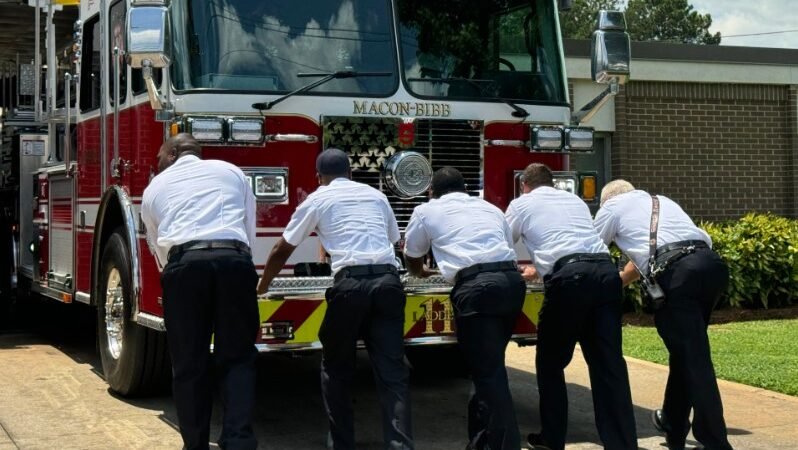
[
  {"x": 282, "y": 287},
  {"x": 115, "y": 163},
  {"x": 68, "y": 124},
  {"x": 306, "y": 138}
]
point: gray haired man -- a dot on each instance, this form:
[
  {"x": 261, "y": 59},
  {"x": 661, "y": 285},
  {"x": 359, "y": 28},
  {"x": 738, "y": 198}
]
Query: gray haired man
[{"x": 692, "y": 278}]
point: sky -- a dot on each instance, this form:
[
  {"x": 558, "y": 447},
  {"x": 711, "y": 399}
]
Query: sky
[{"x": 733, "y": 17}]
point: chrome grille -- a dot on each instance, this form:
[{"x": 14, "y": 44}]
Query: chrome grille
[
  {"x": 456, "y": 143},
  {"x": 370, "y": 142}
]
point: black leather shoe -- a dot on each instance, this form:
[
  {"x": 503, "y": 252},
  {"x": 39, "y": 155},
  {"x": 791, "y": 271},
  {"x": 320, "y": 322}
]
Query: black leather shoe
[
  {"x": 658, "y": 420},
  {"x": 680, "y": 447},
  {"x": 661, "y": 424},
  {"x": 535, "y": 442}
]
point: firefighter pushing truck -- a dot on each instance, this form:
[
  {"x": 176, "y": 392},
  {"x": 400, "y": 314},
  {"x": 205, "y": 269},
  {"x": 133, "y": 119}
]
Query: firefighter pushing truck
[{"x": 403, "y": 86}]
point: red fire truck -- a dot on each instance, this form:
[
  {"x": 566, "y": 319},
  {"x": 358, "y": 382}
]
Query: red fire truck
[{"x": 403, "y": 86}]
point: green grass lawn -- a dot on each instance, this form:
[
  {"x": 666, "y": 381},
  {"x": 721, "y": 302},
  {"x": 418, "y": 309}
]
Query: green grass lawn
[{"x": 757, "y": 353}]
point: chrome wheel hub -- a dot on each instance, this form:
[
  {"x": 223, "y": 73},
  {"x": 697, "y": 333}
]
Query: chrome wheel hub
[{"x": 114, "y": 313}]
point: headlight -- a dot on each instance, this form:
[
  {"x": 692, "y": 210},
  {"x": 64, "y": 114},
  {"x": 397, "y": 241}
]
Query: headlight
[
  {"x": 246, "y": 130},
  {"x": 270, "y": 184},
  {"x": 207, "y": 130},
  {"x": 408, "y": 174},
  {"x": 579, "y": 139},
  {"x": 565, "y": 181},
  {"x": 546, "y": 138}
]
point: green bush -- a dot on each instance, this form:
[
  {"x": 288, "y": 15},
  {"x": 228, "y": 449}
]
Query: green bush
[
  {"x": 633, "y": 296},
  {"x": 761, "y": 251}
]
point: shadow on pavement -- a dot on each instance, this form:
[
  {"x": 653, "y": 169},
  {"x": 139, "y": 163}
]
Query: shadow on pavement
[
  {"x": 290, "y": 413},
  {"x": 581, "y": 424},
  {"x": 738, "y": 432},
  {"x": 68, "y": 327}
]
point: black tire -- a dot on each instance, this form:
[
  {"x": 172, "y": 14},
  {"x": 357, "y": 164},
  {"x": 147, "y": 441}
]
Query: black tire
[
  {"x": 7, "y": 296},
  {"x": 140, "y": 366}
]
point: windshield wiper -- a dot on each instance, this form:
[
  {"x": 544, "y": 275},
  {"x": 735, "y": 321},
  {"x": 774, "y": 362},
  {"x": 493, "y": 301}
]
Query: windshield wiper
[
  {"x": 517, "y": 110},
  {"x": 325, "y": 78}
]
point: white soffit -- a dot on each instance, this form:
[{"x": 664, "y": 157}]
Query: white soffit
[{"x": 700, "y": 72}]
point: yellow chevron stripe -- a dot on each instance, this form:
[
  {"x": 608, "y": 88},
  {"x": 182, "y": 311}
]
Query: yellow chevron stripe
[
  {"x": 532, "y": 305},
  {"x": 267, "y": 307},
  {"x": 415, "y": 308},
  {"x": 309, "y": 330}
]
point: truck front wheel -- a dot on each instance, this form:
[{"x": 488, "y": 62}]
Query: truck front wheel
[{"x": 135, "y": 359}]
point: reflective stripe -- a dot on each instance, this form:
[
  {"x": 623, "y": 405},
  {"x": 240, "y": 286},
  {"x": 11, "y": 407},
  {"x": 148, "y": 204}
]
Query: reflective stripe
[{"x": 426, "y": 317}]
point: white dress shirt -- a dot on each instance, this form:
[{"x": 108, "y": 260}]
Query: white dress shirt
[
  {"x": 354, "y": 222},
  {"x": 197, "y": 199},
  {"x": 462, "y": 231},
  {"x": 626, "y": 219},
  {"x": 553, "y": 223}
]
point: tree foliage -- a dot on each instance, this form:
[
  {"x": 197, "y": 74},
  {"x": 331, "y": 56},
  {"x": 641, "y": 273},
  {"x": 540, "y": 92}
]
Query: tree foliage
[
  {"x": 647, "y": 20},
  {"x": 580, "y": 20},
  {"x": 668, "y": 20}
]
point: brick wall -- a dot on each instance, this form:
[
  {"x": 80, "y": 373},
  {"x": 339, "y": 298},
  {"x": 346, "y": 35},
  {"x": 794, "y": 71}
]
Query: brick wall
[{"x": 720, "y": 150}]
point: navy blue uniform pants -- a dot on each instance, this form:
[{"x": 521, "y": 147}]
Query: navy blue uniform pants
[
  {"x": 583, "y": 304},
  {"x": 209, "y": 292},
  {"x": 486, "y": 309},
  {"x": 692, "y": 286},
  {"x": 371, "y": 308}
]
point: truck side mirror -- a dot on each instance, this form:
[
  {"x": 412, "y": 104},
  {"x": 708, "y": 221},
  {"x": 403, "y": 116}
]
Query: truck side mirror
[
  {"x": 147, "y": 37},
  {"x": 565, "y": 5},
  {"x": 610, "y": 52}
]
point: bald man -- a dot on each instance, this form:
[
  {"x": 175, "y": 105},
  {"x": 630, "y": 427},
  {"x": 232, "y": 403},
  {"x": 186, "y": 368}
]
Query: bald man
[{"x": 200, "y": 220}]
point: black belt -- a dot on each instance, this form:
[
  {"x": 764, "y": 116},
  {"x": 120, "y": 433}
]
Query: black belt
[
  {"x": 580, "y": 257},
  {"x": 681, "y": 245},
  {"x": 669, "y": 253},
  {"x": 470, "y": 271},
  {"x": 231, "y": 244},
  {"x": 365, "y": 270}
]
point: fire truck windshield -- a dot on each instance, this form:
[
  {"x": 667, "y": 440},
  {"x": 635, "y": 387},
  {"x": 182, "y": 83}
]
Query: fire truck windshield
[
  {"x": 256, "y": 45},
  {"x": 488, "y": 49}
]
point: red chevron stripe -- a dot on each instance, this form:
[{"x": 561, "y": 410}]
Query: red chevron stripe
[
  {"x": 297, "y": 311},
  {"x": 524, "y": 326}
]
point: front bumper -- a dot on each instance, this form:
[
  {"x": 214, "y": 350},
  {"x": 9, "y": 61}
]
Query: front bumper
[{"x": 292, "y": 311}]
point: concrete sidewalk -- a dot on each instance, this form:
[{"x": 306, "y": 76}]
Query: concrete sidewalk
[
  {"x": 52, "y": 397},
  {"x": 756, "y": 418}
]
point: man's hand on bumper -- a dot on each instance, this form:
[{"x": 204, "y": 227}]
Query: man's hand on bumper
[{"x": 529, "y": 273}]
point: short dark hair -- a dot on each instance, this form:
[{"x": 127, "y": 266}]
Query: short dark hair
[
  {"x": 333, "y": 162},
  {"x": 536, "y": 175},
  {"x": 446, "y": 180},
  {"x": 183, "y": 143}
]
